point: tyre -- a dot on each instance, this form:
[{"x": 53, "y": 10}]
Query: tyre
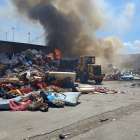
[
  {"x": 83, "y": 77},
  {"x": 99, "y": 81}
]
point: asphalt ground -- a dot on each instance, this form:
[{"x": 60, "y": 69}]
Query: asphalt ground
[{"x": 14, "y": 125}]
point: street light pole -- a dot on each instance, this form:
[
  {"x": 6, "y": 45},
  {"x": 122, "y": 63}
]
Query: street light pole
[
  {"x": 13, "y": 34},
  {"x": 6, "y": 35},
  {"x": 29, "y": 37},
  {"x": 37, "y": 40}
]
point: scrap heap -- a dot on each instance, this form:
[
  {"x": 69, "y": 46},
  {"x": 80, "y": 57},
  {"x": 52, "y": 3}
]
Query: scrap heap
[
  {"x": 30, "y": 81},
  {"x": 114, "y": 75}
]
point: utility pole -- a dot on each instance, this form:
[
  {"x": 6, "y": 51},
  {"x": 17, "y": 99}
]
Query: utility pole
[
  {"x": 37, "y": 40},
  {"x": 29, "y": 37},
  {"x": 13, "y": 34},
  {"x": 6, "y": 35}
]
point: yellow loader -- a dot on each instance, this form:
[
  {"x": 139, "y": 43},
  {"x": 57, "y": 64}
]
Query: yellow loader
[{"x": 88, "y": 70}]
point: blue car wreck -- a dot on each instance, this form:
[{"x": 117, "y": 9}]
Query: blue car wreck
[{"x": 127, "y": 76}]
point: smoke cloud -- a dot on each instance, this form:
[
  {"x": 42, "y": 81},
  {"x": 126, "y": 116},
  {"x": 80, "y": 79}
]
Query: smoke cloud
[{"x": 70, "y": 26}]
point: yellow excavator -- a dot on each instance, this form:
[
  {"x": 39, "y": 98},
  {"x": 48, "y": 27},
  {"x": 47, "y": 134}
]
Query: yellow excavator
[{"x": 88, "y": 70}]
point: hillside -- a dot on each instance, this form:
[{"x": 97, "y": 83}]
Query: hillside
[{"x": 130, "y": 61}]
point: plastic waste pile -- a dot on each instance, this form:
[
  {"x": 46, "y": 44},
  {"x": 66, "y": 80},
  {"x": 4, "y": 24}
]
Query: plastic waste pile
[{"x": 29, "y": 81}]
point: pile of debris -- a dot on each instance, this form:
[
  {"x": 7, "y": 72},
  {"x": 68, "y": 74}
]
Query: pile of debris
[
  {"x": 113, "y": 76},
  {"x": 107, "y": 91},
  {"x": 31, "y": 81},
  {"x": 97, "y": 90}
]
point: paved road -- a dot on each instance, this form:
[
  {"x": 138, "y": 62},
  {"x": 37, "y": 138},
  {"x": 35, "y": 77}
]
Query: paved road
[
  {"x": 13, "y": 124},
  {"x": 126, "y": 128}
]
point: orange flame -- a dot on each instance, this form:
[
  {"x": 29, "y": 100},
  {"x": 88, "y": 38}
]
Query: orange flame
[
  {"x": 51, "y": 54},
  {"x": 57, "y": 53}
]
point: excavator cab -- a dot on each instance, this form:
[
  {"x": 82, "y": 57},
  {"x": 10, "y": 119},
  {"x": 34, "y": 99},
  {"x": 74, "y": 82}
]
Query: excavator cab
[{"x": 88, "y": 70}]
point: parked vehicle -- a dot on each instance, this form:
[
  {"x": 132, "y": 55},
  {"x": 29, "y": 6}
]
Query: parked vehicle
[
  {"x": 127, "y": 76},
  {"x": 136, "y": 77}
]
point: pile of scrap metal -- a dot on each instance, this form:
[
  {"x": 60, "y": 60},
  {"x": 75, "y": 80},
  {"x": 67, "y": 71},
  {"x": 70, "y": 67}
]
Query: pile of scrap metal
[
  {"x": 117, "y": 75},
  {"x": 114, "y": 76}
]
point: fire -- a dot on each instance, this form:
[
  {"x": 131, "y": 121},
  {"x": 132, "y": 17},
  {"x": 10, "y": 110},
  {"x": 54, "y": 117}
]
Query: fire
[
  {"x": 51, "y": 54},
  {"x": 57, "y": 53}
]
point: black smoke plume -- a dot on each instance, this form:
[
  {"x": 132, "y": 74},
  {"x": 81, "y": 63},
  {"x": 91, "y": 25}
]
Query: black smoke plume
[{"x": 70, "y": 26}]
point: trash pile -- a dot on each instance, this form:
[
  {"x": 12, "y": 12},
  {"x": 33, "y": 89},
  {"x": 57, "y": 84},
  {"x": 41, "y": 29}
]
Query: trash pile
[
  {"x": 107, "y": 91},
  {"x": 113, "y": 76},
  {"x": 84, "y": 89},
  {"x": 30, "y": 81}
]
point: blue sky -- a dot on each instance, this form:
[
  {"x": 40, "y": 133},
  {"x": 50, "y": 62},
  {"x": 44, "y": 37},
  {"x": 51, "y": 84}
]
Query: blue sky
[
  {"x": 3, "y": 2},
  {"x": 9, "y": 19},
  {"x": 122, "y": 20}
]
